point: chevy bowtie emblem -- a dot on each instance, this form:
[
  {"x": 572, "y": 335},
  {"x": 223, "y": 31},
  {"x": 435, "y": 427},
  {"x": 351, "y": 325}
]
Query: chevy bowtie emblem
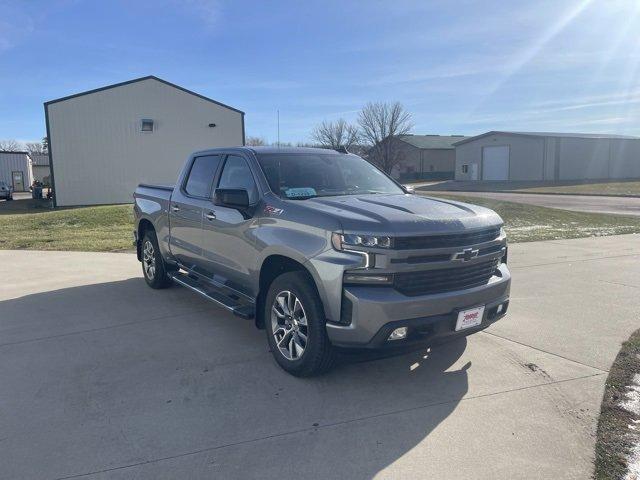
[{"x": 465, "y": 255}]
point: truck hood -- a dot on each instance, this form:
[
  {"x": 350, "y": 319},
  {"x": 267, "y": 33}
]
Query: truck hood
[{"x": 403, "y": 214}]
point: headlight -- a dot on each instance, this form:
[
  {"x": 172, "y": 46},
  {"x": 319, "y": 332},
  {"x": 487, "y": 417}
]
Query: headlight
[
  {"x": 340, "y": 241},
  {"x": 503, "y": 233}
]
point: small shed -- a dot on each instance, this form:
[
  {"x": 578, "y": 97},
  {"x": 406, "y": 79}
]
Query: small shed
[
  {"x": 547, "y": 156},
  {"x": 15, "y": 170},
  {"x": 41, "y": 168}
]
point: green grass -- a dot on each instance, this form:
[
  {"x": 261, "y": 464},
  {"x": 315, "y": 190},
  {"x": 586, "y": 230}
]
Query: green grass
[
  {"x": 32, "y": 225},
  {"x": 614, "y": 437},
  {"x": 94, "y": 229},
  {"x": 605, "y": 188},
  {"x": 528, "y": 223}
]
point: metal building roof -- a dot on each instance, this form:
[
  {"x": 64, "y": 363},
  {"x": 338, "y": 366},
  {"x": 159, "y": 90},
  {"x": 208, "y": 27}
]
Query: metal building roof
[
  {"x": 40, "y": 158},
  {"x": 548, "y": 134},
  {"x": 141, "y": 79},
  {"x": 439, "y": 142}
]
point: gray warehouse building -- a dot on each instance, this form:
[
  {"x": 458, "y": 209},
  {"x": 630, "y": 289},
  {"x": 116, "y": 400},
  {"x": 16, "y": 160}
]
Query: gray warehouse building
[
  {"x": 103, "y": 142},
  {"x": 41, "y": 170},
  {"x": 545, "y": 156},
  {"x": 16, "y": 170},
  {"x": 426, "y": 157}
]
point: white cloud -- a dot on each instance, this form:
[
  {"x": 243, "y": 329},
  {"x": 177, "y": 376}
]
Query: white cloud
[{"x": 208, "y": 11}]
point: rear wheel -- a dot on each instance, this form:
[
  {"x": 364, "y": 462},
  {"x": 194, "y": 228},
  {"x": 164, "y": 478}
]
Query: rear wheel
[
  {"x": 296, "y": 326},
  {"x": 153, "y": 266}
]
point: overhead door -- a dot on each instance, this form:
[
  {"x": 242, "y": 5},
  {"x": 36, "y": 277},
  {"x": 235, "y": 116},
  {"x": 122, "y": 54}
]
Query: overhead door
[{"x": 495, "y": 163}]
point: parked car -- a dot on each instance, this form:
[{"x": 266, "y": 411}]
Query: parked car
[
  {"x": 6, "y": 191},
  {"x": 323, "y": 251}
]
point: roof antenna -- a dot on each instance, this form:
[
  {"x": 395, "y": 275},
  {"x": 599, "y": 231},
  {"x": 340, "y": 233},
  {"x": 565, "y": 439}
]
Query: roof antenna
[{"x": 341, "y": 149}]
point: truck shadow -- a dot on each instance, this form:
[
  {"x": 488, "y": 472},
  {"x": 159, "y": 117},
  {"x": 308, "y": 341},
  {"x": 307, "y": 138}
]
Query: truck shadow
[{"x": 165, "y": 374}]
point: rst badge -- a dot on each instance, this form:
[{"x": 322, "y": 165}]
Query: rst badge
[{"x": 269, "y": 210}]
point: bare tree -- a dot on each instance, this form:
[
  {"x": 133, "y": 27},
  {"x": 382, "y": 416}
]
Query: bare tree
[
  {"x": 381, "y": 124},
  {"x": 255, "y": 141},
  {"x": 10, "y": 146},
  {"x": 35, "y": 148},
  {"x": 45, "y": 144},
  {"x": 336, "y": 134}
]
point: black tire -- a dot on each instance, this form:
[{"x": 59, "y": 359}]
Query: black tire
[
  {"x": 318, "y": 354},
  {"x": 155, "y": 277}
]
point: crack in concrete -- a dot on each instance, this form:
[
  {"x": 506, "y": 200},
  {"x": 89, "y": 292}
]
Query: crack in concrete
[
  {"x": 544, "y": 351},
  {"x": 325, "y": 426},
  {"x": 516, "y": 267},
  {"x": 98, "y": 329}
]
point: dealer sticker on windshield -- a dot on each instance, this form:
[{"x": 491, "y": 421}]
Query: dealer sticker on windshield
[
  {"x": 300, "y": 192},
  {"x": 470, "y": 318}
]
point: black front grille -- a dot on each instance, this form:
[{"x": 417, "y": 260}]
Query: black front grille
[
  {"x": 449, "y": 240},
  {"x": 428, "y": 282}
]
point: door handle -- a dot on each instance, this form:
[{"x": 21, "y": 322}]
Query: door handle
[
  {"x": 175, "y": 208},
  {"x": 210, "y": 216}
]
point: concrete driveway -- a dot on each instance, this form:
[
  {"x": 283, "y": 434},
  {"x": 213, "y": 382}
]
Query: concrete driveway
[
  {"x": 104, "y": 378},
  {"x": 578, "y": 203}
]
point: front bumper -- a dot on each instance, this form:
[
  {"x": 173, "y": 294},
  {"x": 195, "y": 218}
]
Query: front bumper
[{"x": 377, "y": 311}]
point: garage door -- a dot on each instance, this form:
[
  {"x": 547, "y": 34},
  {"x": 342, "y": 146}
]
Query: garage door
[{"x": 495, "y": 163}]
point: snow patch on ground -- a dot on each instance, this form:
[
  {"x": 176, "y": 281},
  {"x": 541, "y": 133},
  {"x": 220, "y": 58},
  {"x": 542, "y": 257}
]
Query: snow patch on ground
[{"x": 631, "y": 403}]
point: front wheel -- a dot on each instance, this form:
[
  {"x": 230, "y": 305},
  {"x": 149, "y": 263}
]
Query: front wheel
[
  {"x": 296, "y": 326},
  {"x": 153, "y": 266}
]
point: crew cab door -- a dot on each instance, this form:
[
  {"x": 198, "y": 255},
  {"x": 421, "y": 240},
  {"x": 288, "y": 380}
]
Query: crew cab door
[
  {"x": 228, "y": 243},
  {"x": 188, "y": 202}
]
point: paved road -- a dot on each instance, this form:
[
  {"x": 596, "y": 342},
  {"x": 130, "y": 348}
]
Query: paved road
[
  {"x": 578, "y": 203},
  {"x": 103, "y": 378}
]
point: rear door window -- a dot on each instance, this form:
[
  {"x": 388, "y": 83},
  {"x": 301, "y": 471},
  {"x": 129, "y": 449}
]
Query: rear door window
[{"x": 201, "y": 175}]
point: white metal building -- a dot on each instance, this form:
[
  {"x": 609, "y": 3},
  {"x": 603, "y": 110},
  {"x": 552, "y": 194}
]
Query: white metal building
[
  {"x": 15, "y": 170},
  {"x": 545, "y": 156},
  {"x": 40, "y": 167},
  {"x": 103, "y": 142}
]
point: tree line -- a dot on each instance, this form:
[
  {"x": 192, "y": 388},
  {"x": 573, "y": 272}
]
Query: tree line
[
  {"x": 374, "y": 136},
  {"x": 32, "y": 147}
]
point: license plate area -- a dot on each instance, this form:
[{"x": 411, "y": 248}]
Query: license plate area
[{"x": 469, "y": 318}]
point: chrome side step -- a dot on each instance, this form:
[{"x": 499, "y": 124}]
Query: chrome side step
[{"x": 243, "y": 310}]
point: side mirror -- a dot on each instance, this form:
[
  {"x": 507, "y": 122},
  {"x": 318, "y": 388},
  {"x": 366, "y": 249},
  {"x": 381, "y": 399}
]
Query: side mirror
[
  {"x": 231, "y": 197},
  {"x": 408, "y": 189}
]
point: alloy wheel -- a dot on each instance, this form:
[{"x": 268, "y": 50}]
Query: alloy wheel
[
  {"x": 289, "y": 325},
  {"x": 149, "y": 260}
]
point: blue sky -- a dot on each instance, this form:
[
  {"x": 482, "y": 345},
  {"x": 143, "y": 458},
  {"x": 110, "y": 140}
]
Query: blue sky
[{"x": 460, "y": 67}]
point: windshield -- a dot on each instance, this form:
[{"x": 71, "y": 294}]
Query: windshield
[{"x": 307, "y": 175}]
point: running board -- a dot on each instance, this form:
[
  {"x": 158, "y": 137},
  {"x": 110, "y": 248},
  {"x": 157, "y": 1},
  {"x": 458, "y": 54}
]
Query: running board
[{"x": 243, "y": 310}]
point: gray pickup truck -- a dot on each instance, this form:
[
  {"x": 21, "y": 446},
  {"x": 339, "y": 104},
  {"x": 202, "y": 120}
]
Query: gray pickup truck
[{"x": 323, "y": 250}]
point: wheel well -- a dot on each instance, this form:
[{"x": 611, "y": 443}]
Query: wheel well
[
  {"x": 143, "y": 226},
  {"x": 272, "y": 267}
]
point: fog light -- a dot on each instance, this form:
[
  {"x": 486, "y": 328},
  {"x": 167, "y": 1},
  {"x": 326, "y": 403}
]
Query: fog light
[
  {"x": 499, "y": 309},
  {"x": 398, "y": 334}
]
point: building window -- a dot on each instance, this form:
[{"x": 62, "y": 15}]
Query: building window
[
  {"x": 146, "y": 125},
  {"x": 465, "y": 168}
]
